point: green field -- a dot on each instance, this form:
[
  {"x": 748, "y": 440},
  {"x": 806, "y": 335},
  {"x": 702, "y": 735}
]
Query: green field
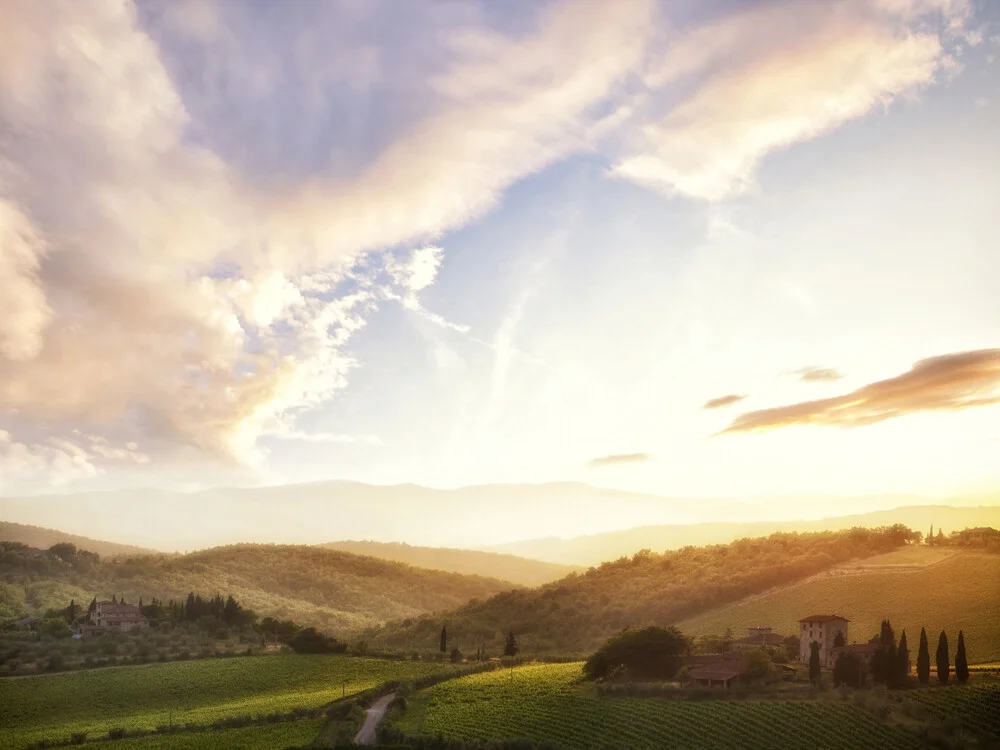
[
  {"x": 544, "y": 703},
  {"x": 975, "y": 707},
  {"x": 950, "y": 592},
  {"x": 266, "y": 737},
  {"x": 196, "y": 692}
]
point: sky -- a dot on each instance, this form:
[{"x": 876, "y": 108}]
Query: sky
[{"x": 723, "y": 248}]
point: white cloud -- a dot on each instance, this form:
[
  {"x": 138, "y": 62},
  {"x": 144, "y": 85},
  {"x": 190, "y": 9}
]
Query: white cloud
[{"x": 773, "y": 76}]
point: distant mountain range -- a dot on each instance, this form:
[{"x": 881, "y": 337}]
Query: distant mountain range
[
  {"x": 596, "y": 548},
  {"x": 315, "y": 513}
]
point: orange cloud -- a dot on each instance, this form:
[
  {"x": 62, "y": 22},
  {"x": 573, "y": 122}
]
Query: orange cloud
[
  {"x": 718, "y": 403},
  {"x": 947, "y": 382},
  {"x": 617, "y": 459}
]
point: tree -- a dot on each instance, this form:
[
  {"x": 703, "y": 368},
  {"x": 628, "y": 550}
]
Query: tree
[
  {"x": 93, "y": 606},
  {"x": 814, "y": 666},
  {"x": 758, "y": 664},
  {"x": 923, "y": 659},
  {"x": 727, "y": 640},
  {"x": 456, "y": 656},
  {"x": 961, "y": 663},
  {"x": 72, "y": 611},
  {"x": 902, "y": 670},
  {"x": 943, "y": 668},
  {"x": 930, "y": 535},
  {"x": 444, "y": 639},
  {"x": 883, "y": 663},
  {"x": 648, "y": 653},
  {"x": 791, "y": 645},
  {"x": 940, "y": 539},
  {"x": 838, "y": 641},
  {"x": 510, "y": 646},
  {"x": 848, "y": 671}
]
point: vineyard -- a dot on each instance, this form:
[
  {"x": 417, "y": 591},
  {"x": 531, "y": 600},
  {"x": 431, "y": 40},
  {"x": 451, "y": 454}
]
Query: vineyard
[
  {"x": 975, "y": 707},
  {"x": 959, "y": 592},
  {"x": 266, "y": 737},
  {"x": 544, "y": 703},
  {"x": 197, "y": 692}
]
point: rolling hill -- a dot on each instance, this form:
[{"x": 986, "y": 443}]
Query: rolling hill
[
  {"x": 596, "y": 548},
  {"x": 576, "y": 614},
  {"x": 36, "y": 536},
  {"x": 334, "y": 590},
  {"x": 938, "y": 589},
  {"x": 518, "y": 570}
]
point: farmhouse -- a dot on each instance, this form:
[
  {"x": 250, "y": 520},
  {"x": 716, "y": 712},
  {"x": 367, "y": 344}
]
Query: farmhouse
[
  {"x": 117, "y": 616},
  {"x": 758, "y": 636},
  {"x": 715, "y": 670},
  {"x": 821, "y": 629},
  {"x": 981, "y": 536}
]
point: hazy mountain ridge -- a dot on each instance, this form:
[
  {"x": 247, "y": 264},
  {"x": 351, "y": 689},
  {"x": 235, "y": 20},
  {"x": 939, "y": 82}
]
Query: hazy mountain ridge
[
  {"x": 36, "y": 536},
  {"x": 335, "y": 590},
  {"x": 596, "y": 548},
  {"x": 518, "y": 570}
]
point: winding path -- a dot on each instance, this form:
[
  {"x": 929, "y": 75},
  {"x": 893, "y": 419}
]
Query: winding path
[{"x": 373, "y": 717}]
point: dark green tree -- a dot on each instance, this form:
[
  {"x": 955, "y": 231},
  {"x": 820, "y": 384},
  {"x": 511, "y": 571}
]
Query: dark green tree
[
  {"x": 93, "y": 606},
  {"x": 902, "y": 670},
  {"x": 648, "y": 653},
  {"x": 849, "y": 671},
  {"x": 510, "y": 646},
  {"x": 923, "y": 659},
  {"x": 72, "y": 611},
  {"x": 883, "y": 663},
  {"x": 930, "y": 535},
  {"x": 456, "y": 656},
  {"x": 961, "y": 662},
  {"x": 444, "y": 639},
  {"x": 839, "y": 641},
  {"x": 814, "y": 665},
  {"x": 943, "y": 668}
]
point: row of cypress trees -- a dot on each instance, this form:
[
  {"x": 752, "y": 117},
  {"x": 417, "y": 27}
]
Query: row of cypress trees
[{"x": 943, "y": 664}]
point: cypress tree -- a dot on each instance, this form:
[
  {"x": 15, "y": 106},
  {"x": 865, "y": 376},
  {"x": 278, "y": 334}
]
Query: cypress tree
[
  {"x": 923, "y": 659},
  {"x": 961, "y": 663},
  {"x": 814, "y": 665},
  {"x": 902, "y": 661},
  {"x": 444, "y": 639},
  {"x": 930, "y": 536},
  {"x": 943, "y": 668},
  {"x": 838, "y": 641}
]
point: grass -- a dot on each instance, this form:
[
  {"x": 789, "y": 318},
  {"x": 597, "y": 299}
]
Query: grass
[
  {"x": 960, "y": 591},
  {"x": 545, "y": 703},
  {"x": 197, "y": 692},
  {"x": 266, "y": 737}
]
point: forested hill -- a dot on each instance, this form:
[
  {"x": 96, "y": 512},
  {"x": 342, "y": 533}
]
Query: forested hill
[
  {"x": 36, "y": 536},
  {"x": 576, "y": 614},
  {"x": 334, "y": 590},
  {"x": 518, "y": 570}
]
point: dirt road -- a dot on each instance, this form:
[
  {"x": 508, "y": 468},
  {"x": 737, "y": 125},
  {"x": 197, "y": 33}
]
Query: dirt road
[{"x": 373, "y": 717}]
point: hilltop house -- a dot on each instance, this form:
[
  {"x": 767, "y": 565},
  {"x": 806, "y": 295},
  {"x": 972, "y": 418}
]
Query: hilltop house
[
  {"x": 119, "y": 617},
  {"x": 821, "y": 629},
  {"x": 758, "y": 636},
  {"x": 981, "y": 536}
]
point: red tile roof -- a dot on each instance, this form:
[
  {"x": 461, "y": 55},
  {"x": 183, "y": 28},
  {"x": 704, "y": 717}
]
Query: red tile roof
[{"x": 823, "y": 618}]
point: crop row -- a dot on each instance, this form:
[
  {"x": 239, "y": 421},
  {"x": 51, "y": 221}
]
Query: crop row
[
  {"x": 975, "y": 707},
  {"x": 541, "y": 702}
]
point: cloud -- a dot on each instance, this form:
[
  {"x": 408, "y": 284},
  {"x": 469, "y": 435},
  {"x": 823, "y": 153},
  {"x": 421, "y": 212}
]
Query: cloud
[
  {"x": 618, "y": 460},
  {"x": 159, "y": 289},
  {"x": 721, "y": 401},
  {"x": 818, "y": 374},
  {"x": 776, "y": 74},
  {"x": 944, "y": 383}
]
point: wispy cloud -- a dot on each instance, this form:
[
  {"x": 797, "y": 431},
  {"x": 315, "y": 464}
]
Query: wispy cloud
[
  {"x": 777, "y": 74},
  {"x": 818, "y": 374},
  {"x": 948, "y": 382},
  {"x": 618, "y": 459},
  {"x": 721, "y": 401}
]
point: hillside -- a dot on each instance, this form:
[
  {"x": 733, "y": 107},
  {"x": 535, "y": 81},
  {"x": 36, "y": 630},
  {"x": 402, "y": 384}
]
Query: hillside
[
  {"x": 518, "y": 570},
  {"x": 939, "y": 589},
  {"x": 576, "y": 614},
  {"x": 334, "y": 590},
  {"x": 36, "y": 536},
  {"x": 596, "y": 548}
]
